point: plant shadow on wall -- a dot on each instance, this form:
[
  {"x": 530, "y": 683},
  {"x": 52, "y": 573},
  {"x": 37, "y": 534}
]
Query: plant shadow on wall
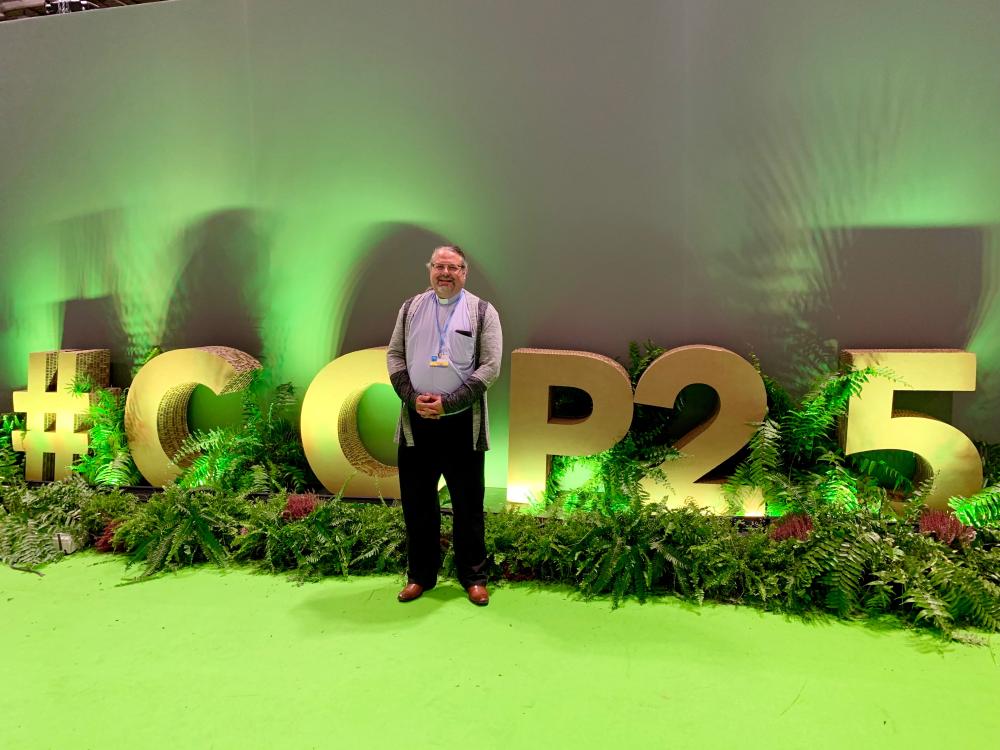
[
  {"x": 217, "y": 299},
  {"x": 392, "y": 269},
  {"x": 809, "y": 294},
  {"x": 94, "y": 324},
  {"x": 215, "y": 302},
  {"x": 84, "y": 273},
  {"x": 839, "y": 548}
]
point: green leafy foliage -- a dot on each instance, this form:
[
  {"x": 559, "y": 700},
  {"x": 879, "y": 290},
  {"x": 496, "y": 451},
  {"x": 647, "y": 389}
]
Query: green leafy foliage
[
  {"x": 981, "y": 509},
  {"x": 29, "y": 519},
  {"x": 761, "y": 469},
  {"x": 81, "y": 385},
  {"x": 182, "y": 526},
  {"x": 619, "y": 556},
  {"x": 795, "y": 454},
  {"x": 527, "y": 547},
  {"x": 11, "y": 461},
  {"x": 853, "y": 560},
  {"x": 335, "y": 539},
  {"x": 646, "y": 445},
  {"x": 878, "y": 466},
  {"x": 262, "y": 454},
  {"x": 617, "y": 473},
  {"x": 851, "y": 554},
  {"x": 809, "y": 428},
  {"x": 108, "y": 461},
  {"x": 30, "y": 516},
  {"x": 990, "y": 453}
]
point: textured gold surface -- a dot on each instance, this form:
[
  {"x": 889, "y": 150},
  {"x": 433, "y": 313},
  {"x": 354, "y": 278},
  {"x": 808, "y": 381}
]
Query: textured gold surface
[
  {"x": 742, "y": 404},
  {"x": 56, "y": 422},
  {"x": 157, "y": 403},
  {"x": 949, "y": 456},
  {"x": 330, "y": 427},
  {"x": 535, "y": 436}
]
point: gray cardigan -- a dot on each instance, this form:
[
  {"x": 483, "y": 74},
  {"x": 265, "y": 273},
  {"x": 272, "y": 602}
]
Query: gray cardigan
[{"x": 472, "y": 393}]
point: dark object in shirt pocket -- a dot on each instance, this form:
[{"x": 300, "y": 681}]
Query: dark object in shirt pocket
[{"x": 465, "y": 333}]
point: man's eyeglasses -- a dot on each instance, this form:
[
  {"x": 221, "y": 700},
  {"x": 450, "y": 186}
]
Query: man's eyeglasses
[{"x": 442, "y": 267}]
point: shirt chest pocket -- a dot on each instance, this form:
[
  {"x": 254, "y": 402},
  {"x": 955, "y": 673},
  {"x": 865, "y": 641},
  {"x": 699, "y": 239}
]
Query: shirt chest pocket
[{"x": 463, "y": 347}]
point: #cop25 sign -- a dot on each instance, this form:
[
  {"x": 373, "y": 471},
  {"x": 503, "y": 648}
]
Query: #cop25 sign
[{"x": 156, "y": 415}]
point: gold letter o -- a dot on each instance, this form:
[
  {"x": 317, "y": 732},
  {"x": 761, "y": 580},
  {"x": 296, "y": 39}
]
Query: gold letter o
[
  {"x": 156, "y": 407},
  {"x": 330, "y": 427}
]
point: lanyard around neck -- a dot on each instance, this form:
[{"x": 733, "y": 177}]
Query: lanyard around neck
[{"x": 447, "y": 322}]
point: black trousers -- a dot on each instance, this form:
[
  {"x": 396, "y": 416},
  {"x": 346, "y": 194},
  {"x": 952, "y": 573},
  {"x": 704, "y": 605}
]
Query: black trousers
[{"x": 443, "y": 447}]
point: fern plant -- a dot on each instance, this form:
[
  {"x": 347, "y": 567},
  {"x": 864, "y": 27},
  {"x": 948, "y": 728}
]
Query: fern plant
[
  {"x": 264, "y": 453},
  {"x": 30, "y": 517},
  {"x": 795, "y": 450},
  {"x": 854, "y": 556},
  {"x": 945, "y": 586},
  {"x": 981, "y": 509},
  {"x": 714, "y": 559},
  {"x": 260, "y": 539},
  {"x": 618, "y": 555},
  {"x": 335, "y": 538},
  {"x": 378, "y": 539},
  {"x": 990, "y": 453},
  {"x": 108, "y": 461},
  {"x": 617, "y": 473},
  {"x": 871, "y": 561},
  {"x": 809, "y": 429},
  {"x": 526, "y": 547},
  {"x": 11, "y": 461},
  {"x": 182, "y": 527}
]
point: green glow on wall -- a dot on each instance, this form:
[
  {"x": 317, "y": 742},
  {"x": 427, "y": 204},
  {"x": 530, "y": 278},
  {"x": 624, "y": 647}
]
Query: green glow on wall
[
  {"x": 207, "y": 411},
  {"x": 32, "y": 297},
  {"x": 378, "y": 411},
  {"x": 719, "y": 176}
]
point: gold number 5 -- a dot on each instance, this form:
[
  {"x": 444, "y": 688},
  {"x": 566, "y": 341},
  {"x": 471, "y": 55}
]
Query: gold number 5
[{"x": 949, "y": 456}]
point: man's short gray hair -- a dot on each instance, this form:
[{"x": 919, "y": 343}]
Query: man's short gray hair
[{"x": 455, "y": 249}]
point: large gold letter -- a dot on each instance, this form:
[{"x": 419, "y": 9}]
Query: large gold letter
[
  {"x": 950, "y": 456},
  {"x": 157, "y": 403},
  {"x": 535, "y": 435},
  {"x": 742, "y": 402},
  {"x": 330, "y": 427}
]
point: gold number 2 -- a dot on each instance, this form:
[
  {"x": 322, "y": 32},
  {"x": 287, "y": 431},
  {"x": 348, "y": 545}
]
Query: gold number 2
[{"x": 742, "y": 402}]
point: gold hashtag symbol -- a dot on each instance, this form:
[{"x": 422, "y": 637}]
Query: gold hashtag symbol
[{"x": 56, "y": 416}]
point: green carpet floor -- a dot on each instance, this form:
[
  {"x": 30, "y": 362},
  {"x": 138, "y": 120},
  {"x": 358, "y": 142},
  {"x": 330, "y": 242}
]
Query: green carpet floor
[{"x": 230, "y": 659}]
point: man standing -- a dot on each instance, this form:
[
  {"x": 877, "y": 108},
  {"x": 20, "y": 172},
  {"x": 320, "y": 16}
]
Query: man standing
[{"x": 444, "y": 353}]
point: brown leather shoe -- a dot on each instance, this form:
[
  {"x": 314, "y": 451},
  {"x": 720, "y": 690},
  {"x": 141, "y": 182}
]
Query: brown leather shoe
[
  {"x": 478, "y": 595},
  {"x": 410, "y": 592}
]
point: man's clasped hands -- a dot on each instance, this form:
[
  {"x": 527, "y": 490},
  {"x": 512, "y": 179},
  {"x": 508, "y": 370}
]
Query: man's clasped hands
[{"x": 429, "y": 405}]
